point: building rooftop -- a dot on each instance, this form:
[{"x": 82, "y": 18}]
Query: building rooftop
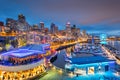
[
  {"x": 89, "y": 60},
  {"x": 27, "y": 50},
  {"x": 79, "y": 55},
  {"x": 20, "y": 53},
  {"x": 38, "y": 47}
]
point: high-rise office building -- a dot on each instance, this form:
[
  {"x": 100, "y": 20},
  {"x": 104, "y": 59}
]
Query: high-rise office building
[
  {"x": 21, "y": 18},
  {"x": 46, "y": 30},
  {"x": 42, "y": 28},
  {"x": 11, "y": 23},
  {"x": 56, "y": 29},
  {"x": 1, "y": 24},
  {"x": 84, "y": 34},
  {"x": 21, "y": 23},
  {"x": 41, "y": 25},
  {"x": 78, "y": 32},
  {"x": 35, "y": 26},
  {"x": 73, "y": 31},
  {"x": 68, "y": 29},
  {"x": 52, "y": 28}
]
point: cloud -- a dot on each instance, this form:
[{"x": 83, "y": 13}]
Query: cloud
[{"x": 92, "y": 15}]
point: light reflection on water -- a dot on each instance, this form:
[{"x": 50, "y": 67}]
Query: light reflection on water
[{"x": 115, "y": 44}]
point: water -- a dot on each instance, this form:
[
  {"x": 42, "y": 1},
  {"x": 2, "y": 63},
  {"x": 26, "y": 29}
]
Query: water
[{"x": 115, "y": 44}]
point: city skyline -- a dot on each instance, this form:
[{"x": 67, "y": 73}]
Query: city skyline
[
  {"x": 60, "y": 40},
  {"x": 97, "y": 17}
]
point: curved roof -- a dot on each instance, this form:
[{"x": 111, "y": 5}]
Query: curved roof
[{"x": 31, "y": 49}]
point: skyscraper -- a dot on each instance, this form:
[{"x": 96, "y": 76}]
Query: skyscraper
[
  {"x": 78, "y": 32},
  {"x": 42, "y": 28},
  {"x": 73, "y": 31},
  {"x": 68, "y": 29},
  {"x": 46, "y": 30},
  {"x": 1, "y": 24},
  {"x": 35, "y": 26},
  {"x": 21, "y": 23},
  {"x": 41, "y": 25},
  {"x": 21, "y": 18},
  {"x": 52, "y": 28},
  {"x": 84, "y": 33},
  {"x": 56, "y": 29},
  {"x": 11, "y": 23}
]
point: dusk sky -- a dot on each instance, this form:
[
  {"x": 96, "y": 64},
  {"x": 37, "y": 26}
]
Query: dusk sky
[{"x": 95, "y": 16}]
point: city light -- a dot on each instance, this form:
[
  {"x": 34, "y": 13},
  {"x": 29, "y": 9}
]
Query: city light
[
  {"x": 59, "y": 40},
  {"x": 103, "y": 39}
]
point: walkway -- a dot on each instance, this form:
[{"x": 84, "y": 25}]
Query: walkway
[{"x": 56, "y": 75}]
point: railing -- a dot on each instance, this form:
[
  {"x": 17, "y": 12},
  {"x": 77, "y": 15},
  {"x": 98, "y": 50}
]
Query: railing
[{"x": 20, "y": 67}]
